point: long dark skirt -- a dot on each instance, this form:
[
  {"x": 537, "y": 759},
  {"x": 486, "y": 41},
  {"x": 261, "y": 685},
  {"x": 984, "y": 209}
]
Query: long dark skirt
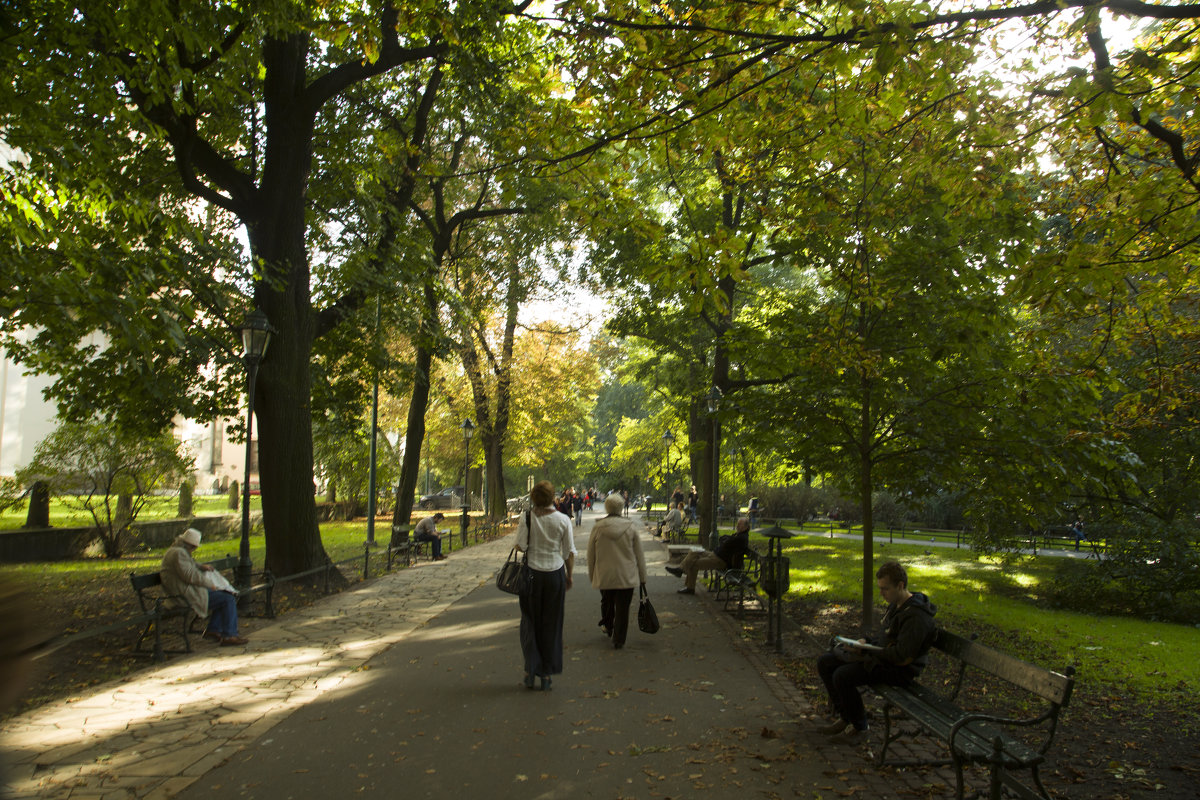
[{"x": 542, "y": 612}]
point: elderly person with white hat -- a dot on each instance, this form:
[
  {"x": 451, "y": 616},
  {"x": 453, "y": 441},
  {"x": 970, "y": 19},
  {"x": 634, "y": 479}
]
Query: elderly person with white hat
[
  {"x": 616, "y": 567},
  {"x": 182, "y": 576}
]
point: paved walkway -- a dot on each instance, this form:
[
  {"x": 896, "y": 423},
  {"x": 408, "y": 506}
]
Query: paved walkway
[{"x": 411, "y": 682}]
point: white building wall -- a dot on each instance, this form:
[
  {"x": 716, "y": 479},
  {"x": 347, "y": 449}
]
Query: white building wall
[{"x": 26, "y": 418}]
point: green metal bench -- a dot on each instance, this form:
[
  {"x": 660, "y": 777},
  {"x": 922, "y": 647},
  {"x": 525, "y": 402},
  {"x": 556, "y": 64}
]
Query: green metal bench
[
  {"x": 158, "y": 607},
  {"x": 982, "y": 738}
]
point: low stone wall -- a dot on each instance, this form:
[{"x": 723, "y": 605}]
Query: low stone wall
[{"x": 59, "y": 544}]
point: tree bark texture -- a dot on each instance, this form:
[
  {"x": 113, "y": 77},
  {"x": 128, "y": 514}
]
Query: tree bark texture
[{"x": 414, "y": 437}]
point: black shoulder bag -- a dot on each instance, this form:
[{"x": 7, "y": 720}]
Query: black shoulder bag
[{"x": 515, "y": 576}]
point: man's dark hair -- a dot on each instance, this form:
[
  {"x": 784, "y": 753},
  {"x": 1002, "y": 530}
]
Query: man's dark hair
[
  {"x": 438, "y": 515},
  {"x": 894, "y": 573}
]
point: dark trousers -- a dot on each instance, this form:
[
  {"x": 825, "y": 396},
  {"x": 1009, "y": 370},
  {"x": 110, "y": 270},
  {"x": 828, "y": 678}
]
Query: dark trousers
[
  {"x": 435, "y": 542},
  {"x": 542, "y": 622},
  {"x": 614, "y": 612},
  {"x": 222, "y": 613},
  {"x": 842, "y": 679}
]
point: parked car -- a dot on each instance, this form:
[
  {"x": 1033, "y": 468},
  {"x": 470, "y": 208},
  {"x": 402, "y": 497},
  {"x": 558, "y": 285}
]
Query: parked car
[{"x": 450, "y": 497}]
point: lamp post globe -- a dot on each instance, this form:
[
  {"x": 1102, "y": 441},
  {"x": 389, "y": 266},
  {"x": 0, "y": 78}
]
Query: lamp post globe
[{"x": 256, "y": 335}]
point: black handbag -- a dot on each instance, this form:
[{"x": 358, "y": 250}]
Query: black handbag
[
  {"x": 647, "y": 618},
  {"x": 515, "y": 577}
]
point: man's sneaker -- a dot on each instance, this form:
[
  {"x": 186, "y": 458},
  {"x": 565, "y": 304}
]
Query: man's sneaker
[
  {"x": 851, "y": 736},
  {"x": 233, "y": 641},
  {"x": 685, "y": 590},
  {"x": 833, "y": 728},
  {"x": 676, "y": 571}
]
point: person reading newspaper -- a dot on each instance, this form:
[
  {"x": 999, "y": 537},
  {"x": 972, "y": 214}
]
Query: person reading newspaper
[{"x": 895, "y": 657}]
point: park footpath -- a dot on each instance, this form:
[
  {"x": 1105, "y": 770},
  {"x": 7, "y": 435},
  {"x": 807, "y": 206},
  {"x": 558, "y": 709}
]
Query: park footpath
[{"x": 411, "y": 683}]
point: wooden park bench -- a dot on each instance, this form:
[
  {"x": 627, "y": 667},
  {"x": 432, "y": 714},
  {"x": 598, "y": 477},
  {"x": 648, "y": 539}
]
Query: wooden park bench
[
  {"x": 983, "y": 738},
  {"x": 158, "y": 607},
  {"x": 400, "y": 547}
]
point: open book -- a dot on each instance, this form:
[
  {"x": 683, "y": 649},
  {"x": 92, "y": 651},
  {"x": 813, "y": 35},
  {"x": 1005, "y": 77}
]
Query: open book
[{"x": 857, "y": 644}]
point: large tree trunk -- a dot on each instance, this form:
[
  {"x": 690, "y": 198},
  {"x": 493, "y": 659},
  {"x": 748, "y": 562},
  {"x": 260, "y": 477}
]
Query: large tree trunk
[
  {"x": 414, "y": 437},
  {"x": 493, "y": 425},
  {"x": 277, "y": 242}
]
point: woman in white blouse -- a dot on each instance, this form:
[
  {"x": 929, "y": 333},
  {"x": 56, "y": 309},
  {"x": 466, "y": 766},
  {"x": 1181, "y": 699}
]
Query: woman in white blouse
[{"x": 550, "y": 546}]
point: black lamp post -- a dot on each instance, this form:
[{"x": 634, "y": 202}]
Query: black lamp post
[
  {"x": 256, "y": 335},
  {"x": 668, "y": 437},
  {"x": 714, "y": 404},
  {"x": 468, "y": 428}
]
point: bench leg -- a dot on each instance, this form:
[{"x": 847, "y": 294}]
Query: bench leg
[
  {"x": 958, "y": 778},
  {"x": 159, "y": 654},
  {"x": 888, "y": 738},
  {"x": 137, "y": 647}
]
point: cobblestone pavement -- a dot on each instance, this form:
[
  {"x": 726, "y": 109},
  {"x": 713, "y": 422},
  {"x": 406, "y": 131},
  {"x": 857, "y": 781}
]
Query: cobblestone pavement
[{"x": 158, "y": 732}]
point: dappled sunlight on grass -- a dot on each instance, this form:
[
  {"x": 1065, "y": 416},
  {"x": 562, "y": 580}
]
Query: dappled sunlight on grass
[{"x": 984, "y": 591}]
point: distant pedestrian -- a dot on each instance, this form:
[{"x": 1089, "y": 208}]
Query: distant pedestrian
[
  {"x": 616, "y": 566},
  {"x": 692, "y": 501},
  {"x": 625, "y": 502},
  {"x": 577, "y": 507},
  {"x": 752, "y": 512},
  {"x": 1077, "y": 532},
  {"x": 548, "y": 541}
]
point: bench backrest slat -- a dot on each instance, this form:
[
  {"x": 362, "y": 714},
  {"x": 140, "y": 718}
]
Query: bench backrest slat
[
  {"x": 147, "y": 581},
  {"x": 1052, "y": 686}
]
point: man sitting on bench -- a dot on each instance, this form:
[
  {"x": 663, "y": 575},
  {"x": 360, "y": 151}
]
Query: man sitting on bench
[
  {"x": 195, "y": 583},
  {"x": 895, "y": 657},
  {"x": 426, "y": 531},
  {"x": 729, "y": 555}
]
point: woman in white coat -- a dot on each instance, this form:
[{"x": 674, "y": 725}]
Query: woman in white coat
[{"x": 616, "y": 567}]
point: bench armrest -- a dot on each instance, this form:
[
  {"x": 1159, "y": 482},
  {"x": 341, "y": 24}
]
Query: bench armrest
[{"x": 1030, "y": 722}]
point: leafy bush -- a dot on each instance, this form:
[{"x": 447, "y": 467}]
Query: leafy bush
[
  {"x": 886, "y": 511},
  {"x": 1151, "y": 569},
  {"x": 797, "y": 501},
  {"x": 943, "y": 510},
  {"x": 106, "y": 472}
]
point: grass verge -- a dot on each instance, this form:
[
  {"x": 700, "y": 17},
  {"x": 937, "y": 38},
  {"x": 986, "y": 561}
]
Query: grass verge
[{"x": 1157, "y": 660}]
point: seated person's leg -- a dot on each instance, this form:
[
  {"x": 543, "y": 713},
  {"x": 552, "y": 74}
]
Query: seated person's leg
[
  {"x": 827, "y": 664},
  {"x": 436, "y": 543},
  {"x": 701, "y": 561},
  {"x": 846, "y": 697},
  {"x": 222, "y": 610}
]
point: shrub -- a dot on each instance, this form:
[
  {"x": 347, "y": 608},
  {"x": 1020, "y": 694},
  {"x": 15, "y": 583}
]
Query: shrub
[
  {"x": 798, "y": 501},
  {"x": 106, "y": 472}
]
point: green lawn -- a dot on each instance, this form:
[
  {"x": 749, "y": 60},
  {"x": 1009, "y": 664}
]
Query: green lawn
[
  {"x": 165, "y": 507},
  {"x": 342, "y": 540},
  {"x": 1151, "y": 658}
]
